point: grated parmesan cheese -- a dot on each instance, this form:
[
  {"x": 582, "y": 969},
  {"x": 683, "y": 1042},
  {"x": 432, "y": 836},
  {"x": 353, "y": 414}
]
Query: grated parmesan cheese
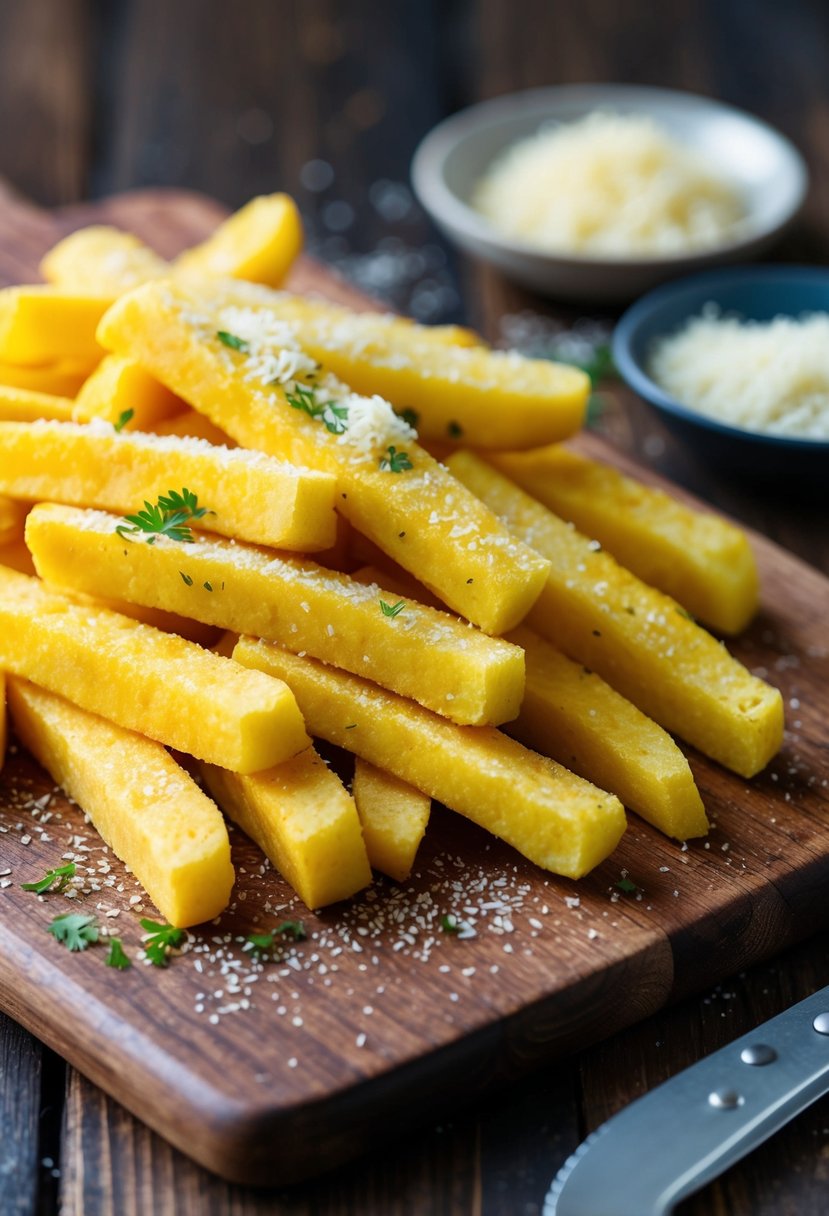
[
  {"x": 770, "y": 376},
  {"x": 608, "y": 184}
]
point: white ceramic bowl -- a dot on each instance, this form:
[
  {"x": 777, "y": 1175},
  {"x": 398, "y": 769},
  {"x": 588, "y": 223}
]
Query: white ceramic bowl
[{"x": 766, "y": 169}]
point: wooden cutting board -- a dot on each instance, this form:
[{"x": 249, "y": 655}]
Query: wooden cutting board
[{"x": 268, "y": 1072}]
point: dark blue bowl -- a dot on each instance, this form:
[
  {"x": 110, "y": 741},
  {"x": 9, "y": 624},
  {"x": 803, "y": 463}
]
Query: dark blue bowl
[{"x": 758, "y": 293}]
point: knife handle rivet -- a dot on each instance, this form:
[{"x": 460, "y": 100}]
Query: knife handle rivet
[
  {"x": 725, "y": 1099},
  {"x": 821, "y": 1023},
  {"x": 758, "y": 1053}
]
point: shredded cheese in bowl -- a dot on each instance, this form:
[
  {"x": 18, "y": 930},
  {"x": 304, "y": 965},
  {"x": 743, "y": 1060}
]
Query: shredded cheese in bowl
[
  {"x": 767, "y": 376},
  {"x": 609, "y": 185}
]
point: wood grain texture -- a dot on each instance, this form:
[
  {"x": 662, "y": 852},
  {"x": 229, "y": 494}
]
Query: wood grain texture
[
  {"x": 20, "y": 1061},
  {"x": 45, "y": 62},
  {"x": 440, "y": 1021}
]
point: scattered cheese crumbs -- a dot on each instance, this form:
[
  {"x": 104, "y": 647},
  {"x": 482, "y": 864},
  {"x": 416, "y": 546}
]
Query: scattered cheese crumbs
[
  {"x": 770, "y": 376},
  {"x": 609, "y": 184}
]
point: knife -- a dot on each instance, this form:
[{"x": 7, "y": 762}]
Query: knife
[{"x": 690, "y": 1129}]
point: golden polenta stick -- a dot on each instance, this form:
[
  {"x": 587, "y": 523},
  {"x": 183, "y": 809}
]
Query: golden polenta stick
[
  {"x": 244, "y": 370},
  {"x": 118, "y": 385},
  {"x": 102, "y": 259},
  {"x": 147, "y": 808},
  {"x": 554, "y": 818},
  {"x": 420, "y": 652},
  {"x": 260, "y": 242},
  {"x": 635, "y": 637},
  {"x": 16, "y": 556},
  {"x": 248, "y": 494},
  {"x": 304, "y": 820},
  {"x": 62, "y": 378},
  {"x": 43, "y": 323},
  {"x": 190, "y": 424},
  {"x": 145, "y": 680},
  {"x": 12, "y": 520},
  {"x": 26, "y": 405},
  {"x": 482, "y": 397},
  {"x": 699, "y": 558},
  {"x": 394, "y": 816},
  {"x": 571, "y": 714}
]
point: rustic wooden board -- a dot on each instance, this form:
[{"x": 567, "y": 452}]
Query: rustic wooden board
[{"x": 268, "y": 1072}]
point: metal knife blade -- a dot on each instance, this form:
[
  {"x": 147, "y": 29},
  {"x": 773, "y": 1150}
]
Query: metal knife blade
[{"x": 687, "y": 1131}]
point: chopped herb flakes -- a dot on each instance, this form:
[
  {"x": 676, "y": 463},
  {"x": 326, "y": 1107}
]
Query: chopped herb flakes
[
  {"x": 160, "y": 940},
  {"x": 627, "y": 885},
  {"x": 168, "y": 517},
  {"x": 117, "y": 956},
  {"x": 454, "y": 430},
  {"x": 450, "y": 924},
  {"x": 186, "y": 578},
  {"x": 288, "y": 930},
  {"x": 123, "y": 418},
  {"x": 411, "y": 417},
  {"x": 61, "y": 876},
  {"x": 333, "y": 416},
  {"x": 74, "y": 930},
  {"x": 395, "y": 461},
  {"x": 392, "y": 609},
  {"x": 232, "y": 341}
]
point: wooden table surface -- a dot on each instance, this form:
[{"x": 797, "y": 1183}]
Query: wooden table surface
[{"x": 328, "y": 101}]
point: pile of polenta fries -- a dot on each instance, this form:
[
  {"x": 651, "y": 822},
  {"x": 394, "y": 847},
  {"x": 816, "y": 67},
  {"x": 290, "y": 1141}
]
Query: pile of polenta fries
[{"x": 224, "y": 528}]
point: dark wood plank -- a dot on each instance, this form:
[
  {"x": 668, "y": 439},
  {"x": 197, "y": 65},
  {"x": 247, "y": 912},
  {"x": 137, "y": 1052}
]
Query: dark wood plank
[
  {"x": 45, "y": 66},
  {"x": 20, "y": 1069},
  {"x": 115, "y": 1166}
]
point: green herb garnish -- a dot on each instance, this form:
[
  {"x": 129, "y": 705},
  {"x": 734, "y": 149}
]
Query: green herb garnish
[
  {"x": 395, "y": 462},
  {"x": 168, "y": 517},
  {"x": 61, "y": 876},
  {"x": 263, "y": 943},
  {"x": 392, "y": 609},
  {"x": 334, "y": 417},
  {"x": 454, "y": 430},
  {"x": 117, "y": 957},
  {"x": 186, "y": 578},
  {"x": 74, "y": 930},
  {"x": 232, "y": 341},
  {"x": 627, "y": 885},
  {"x": 160, "y": 940},
  {"x": 411, "y": 416},
  {"x": 450, "y": 924},
  {"x": 123, "y": 418}
]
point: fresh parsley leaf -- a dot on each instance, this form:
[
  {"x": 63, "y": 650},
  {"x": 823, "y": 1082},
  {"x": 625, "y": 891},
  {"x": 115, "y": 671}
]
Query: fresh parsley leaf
[
  {"x": 333, "y": 416},
  {"x": 454, "y": 430},
  {"x": 232, "y": 341},
  {"x": 74, "y": 930},
  {"x": 392, "y": 609},
  {"x": 449, "y": 923},
  {"x": 117, "y": 957},
  {"x": 160, "y": 939},
  {"x": 61, "y": 876},
  {"x": 263, "y": 943},
  {"x": 186, "y": 578},
  {"x": 627, "y": 885},
  {"x": 395, "y": 461},
  {"x": 123, "y": 418},
  {"x": 167, "y": 517}
]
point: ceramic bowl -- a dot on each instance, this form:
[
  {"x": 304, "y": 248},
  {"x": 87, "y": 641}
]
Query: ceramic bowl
[
  {"x": 765, "y": 168},
  {"x": 758, "y": 293}
]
